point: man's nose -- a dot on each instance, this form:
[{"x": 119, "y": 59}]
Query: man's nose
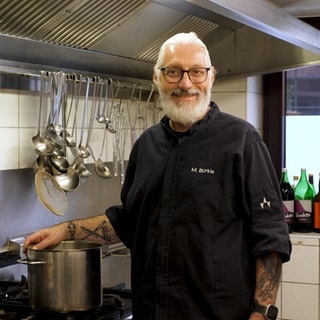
[{"x": 185, "y": 81}]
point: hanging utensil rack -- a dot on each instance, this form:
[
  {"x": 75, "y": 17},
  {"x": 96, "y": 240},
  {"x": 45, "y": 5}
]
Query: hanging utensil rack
[
  {"x": 32, "y": 80},
  {"x": 26, "y": 79}
]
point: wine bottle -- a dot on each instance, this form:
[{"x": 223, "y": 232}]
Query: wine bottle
[
  {"x": 316, "y": 210},
  {"x": 312, "y": 184},
  {"x": 303, "y": 196},
  {"x": 287, "y": 195}
]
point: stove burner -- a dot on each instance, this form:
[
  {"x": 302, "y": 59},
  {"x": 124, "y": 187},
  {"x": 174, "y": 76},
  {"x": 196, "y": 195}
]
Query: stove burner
[{"x": 14, "y": 305}]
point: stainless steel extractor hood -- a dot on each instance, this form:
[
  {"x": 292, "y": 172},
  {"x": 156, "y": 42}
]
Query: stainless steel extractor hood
[{"x": 122, "y": 37}]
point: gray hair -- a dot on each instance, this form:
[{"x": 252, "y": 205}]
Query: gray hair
[{"x": 180, "y": 38}]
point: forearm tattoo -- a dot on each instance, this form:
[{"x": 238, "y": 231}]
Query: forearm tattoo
[
  {"x": 103, "y": 231},
  {"x": 72, "y": 229},
  {"x": 269, "y": 275}
]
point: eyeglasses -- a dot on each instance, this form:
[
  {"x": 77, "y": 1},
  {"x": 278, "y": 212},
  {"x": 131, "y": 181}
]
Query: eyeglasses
[{"x": 174, "y": 75}]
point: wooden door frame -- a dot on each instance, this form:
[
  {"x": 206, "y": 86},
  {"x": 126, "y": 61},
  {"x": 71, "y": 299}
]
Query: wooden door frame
[{"x": 274, "y": 118}]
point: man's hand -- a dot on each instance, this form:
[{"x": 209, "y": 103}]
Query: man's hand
[{"x": 44, "y": 238}]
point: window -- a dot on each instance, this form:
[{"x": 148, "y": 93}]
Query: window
[
  {"x": 302, "y": 121},
  {"x": 303, "y": 91},
  {"x": 291, "y": 117}
]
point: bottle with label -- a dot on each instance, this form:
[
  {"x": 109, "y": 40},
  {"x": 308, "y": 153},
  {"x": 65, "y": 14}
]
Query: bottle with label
[
  {"x": 287, "y": 195},
  {"x": 316, "y": 210},
  {"x": 303, "y": 197}
]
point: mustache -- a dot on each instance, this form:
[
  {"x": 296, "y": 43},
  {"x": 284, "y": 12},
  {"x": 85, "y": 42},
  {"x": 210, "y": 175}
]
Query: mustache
[{"x": 179, "y": 92}]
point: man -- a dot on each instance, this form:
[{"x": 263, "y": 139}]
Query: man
[{"x": 201, "y": 209}]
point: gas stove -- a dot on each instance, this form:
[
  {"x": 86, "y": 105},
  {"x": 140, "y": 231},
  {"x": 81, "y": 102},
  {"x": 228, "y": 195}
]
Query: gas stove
[
  {"x": 14, "y": 305},
  {"x": 14, "y": 295}
]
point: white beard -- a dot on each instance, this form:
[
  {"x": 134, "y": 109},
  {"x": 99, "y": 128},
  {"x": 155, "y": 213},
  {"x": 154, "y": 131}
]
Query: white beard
[{"x": 185, "y": 112}]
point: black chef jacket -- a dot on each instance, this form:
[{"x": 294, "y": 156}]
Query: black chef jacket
[{"x": 197, "y": 208}]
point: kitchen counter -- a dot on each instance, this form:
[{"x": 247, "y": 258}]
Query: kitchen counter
[
  {"x": 299, "y": 292},
  {"x": 305, "y": 234}
]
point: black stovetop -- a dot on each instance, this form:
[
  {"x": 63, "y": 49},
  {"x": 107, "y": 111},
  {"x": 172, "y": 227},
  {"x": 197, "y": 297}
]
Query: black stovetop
[{"x": 14, "y": 305}]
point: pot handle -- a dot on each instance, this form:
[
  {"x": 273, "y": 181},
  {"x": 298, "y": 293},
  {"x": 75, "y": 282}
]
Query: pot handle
[{"x": 31, "y": 262}]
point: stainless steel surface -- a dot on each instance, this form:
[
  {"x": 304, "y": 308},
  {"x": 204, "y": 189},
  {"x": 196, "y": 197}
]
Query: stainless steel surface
[
  {"x": 267, "y": 17},
  {"x": 122, "y": 38},
  {"x": 25, "y": 214},
  {"x": 66, "y": 277}
]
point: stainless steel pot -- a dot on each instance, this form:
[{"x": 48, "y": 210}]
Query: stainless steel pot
[{"x": 66, "y": 277}]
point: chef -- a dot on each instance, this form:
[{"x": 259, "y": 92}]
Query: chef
[{"x": 201, "y": 210}]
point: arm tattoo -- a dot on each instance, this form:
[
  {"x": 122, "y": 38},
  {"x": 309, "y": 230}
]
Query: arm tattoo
[
  {"x": 103, "y": 231},
  {"x": 269, "y": 275},
  {"x": 71, "y": 229}
]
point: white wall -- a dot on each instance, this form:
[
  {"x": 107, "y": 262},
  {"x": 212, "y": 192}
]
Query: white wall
[
  {"x": 19, "y": 123},
  {"x": 241, "y": 97}
]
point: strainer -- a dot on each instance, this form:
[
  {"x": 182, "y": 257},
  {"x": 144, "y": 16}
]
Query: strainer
[{"x": 50, "y": 194}]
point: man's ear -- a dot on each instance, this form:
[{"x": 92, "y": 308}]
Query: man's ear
[
  {"x": 213, "y": 78},
  {"x": 213, "y": 75},
  {"x": 155, "y": 80}
]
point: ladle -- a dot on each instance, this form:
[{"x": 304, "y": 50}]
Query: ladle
[
  {"x": 86, "y": 152},
  {"x": 74, "y": 124},
  {"x": 69, "y": 180},
  {"x": 101, "y": 167},
  {"x": 131, "y": 118},
  {"x": 82, "y": 151},
  {"x": 77, "y": 164},
  {"x": 70, "y": 140},
  {"x": 140, "y": 123},
  {"x": 105, "y": 117},
  {"x": 41, "y": 164},
  {"x": 99, "y": 116},
  {"x": 121, "y": 124},
  {"x": 80, "y": 168},
  {"x": 42, "y": 146},
  {"x": 148, "y": 110},
  {"x": 59, "y": 161},
  {"x": 56, "y": 130}
]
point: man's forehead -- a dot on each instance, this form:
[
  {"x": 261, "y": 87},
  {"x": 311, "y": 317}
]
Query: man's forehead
[{"x": 175, "y": 53}]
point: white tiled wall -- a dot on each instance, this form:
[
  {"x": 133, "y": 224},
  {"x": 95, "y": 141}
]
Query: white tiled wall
[
  {"x": 19, "y": 123},
  {"x": 19, "y": 120}
]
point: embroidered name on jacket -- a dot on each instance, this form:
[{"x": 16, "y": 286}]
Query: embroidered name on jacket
[{"x": 202, "y": 170}]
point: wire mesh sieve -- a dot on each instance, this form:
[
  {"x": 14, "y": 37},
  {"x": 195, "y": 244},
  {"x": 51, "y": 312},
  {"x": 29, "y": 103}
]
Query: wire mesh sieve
[{"x": 50, "y": 194}]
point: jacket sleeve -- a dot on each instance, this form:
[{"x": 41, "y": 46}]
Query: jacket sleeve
[{"x": 269, "y": 231}]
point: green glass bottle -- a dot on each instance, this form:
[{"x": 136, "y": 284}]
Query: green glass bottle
[
  {"x": 303, "y": 197},
  {"x": 287, "y": 195}
]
